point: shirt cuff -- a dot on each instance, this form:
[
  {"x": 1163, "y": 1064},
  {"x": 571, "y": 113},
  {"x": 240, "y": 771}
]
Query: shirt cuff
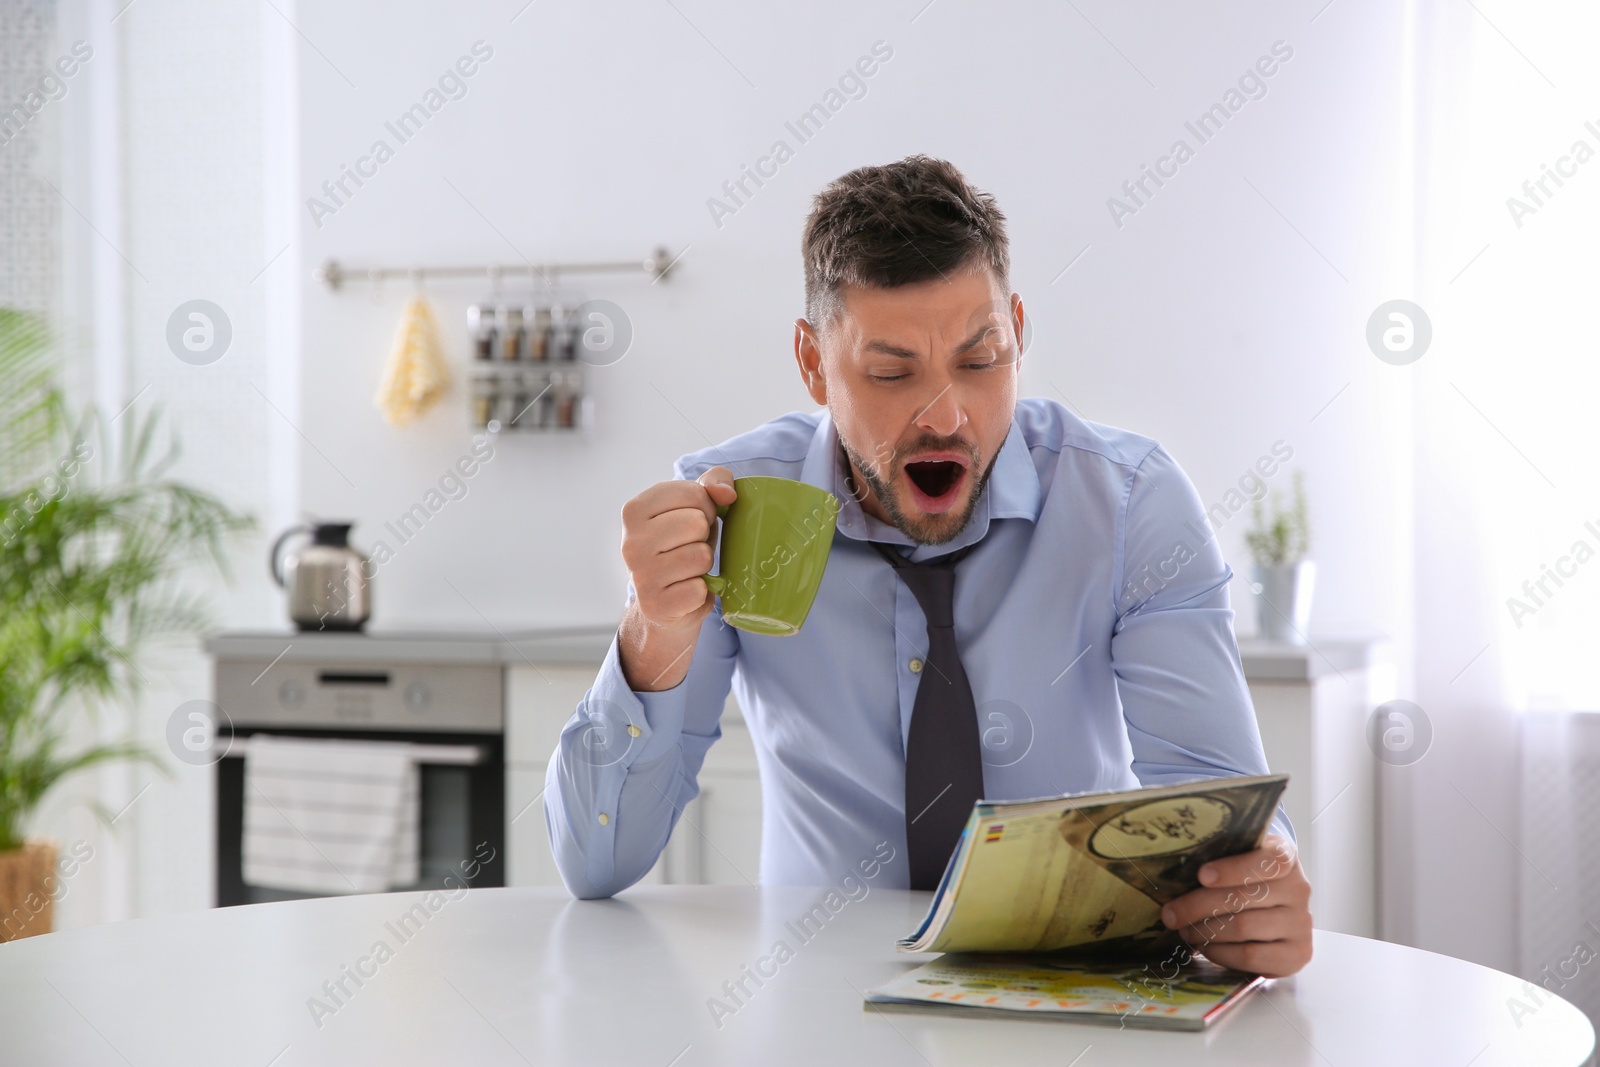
[{"x": 649, "y": 725}]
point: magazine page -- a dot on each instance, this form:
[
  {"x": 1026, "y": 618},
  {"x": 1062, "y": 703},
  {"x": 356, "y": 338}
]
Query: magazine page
[
  {"x": 1091, "y": 870},
  {"x": 1179, "y": 997}
]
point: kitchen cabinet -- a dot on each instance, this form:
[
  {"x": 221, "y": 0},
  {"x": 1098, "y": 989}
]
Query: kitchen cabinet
[
  {"x": 1313, "y": 704},
  {"x": 718, "y": 837}
]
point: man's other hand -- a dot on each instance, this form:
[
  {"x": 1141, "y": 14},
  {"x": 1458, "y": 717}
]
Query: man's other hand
[{"x": 1252, "y": 912}]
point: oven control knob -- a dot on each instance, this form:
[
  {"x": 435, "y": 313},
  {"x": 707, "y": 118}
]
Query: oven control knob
[
  {"x": 418, "y": 697},
  {"x": 290, "y": 695}
]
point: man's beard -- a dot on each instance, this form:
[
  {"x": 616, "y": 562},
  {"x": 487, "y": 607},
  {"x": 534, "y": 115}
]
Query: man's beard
[{"x": 923, "y": 529}]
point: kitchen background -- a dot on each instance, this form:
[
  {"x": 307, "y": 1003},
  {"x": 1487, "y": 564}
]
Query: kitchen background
[{"x": 1222, "y": 314}]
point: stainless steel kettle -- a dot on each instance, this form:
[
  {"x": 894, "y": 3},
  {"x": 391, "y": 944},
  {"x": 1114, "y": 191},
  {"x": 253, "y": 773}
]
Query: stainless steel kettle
[{"x": 326, "y": 579}]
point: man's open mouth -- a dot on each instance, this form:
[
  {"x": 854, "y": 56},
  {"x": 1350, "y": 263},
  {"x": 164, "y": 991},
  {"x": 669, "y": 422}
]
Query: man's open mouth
[{"x": 936, "y": 481}]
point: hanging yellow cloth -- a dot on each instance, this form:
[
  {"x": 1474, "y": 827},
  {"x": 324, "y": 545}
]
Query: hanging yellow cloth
[{"x": 416, "y": 373}]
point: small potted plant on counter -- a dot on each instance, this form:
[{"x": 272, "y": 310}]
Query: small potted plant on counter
[
  {"x": 92, "y": 539},
  {"x": 1284, "y": 576}
]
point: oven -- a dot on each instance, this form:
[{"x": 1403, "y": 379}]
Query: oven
[{"x": 454, "y": 713}]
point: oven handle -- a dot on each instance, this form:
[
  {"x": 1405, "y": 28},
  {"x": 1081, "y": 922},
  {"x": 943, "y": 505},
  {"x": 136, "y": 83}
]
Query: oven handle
[{"x": 455, "y": 755}]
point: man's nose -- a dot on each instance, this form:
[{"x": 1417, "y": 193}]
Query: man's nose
[{"x": 942, "y": 415}]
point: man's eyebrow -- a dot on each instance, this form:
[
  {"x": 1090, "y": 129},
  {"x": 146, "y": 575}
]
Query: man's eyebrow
[
  {"x": 890, "y": 349},
  {"x": 974, "y": 341}
]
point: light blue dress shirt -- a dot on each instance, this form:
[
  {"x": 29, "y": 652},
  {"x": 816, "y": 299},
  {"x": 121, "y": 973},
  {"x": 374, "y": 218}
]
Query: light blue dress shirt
[{"x": 1093, "y": 623}]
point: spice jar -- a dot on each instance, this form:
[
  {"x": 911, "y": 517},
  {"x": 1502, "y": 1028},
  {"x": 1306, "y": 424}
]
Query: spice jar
[
  {"x": 482, "y": 402},
  {"x": 539, "y": 335},
  {"x": 565, "y": 401},
  {"x": 480, "y": 331},
  {"x": 519, "y": 419},
  {"x": 507, "y": 407},
  {"x": 511, "y": 333},
  {"x": 561, "y": 334},
  {"x": 547, "y": 403},
  {"x": 575, "y": 327}
]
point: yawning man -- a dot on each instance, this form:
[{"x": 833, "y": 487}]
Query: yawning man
[{"x": 1033, "y": 576}]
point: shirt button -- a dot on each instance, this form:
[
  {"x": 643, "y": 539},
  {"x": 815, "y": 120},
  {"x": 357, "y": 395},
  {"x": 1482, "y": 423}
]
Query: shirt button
[
  {"x": 605, "y": 820},
  {"x": 916, "y": 666},
  {"x": 634, "y": 731}
]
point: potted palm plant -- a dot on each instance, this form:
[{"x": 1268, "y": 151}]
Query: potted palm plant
[
  {"x": 93, "y": 536},
  {"x": 1284, "y": 576}
]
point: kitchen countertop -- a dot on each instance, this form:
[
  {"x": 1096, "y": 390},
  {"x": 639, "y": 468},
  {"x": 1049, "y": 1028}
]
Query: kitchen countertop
[
  {"x": 1279, "y": 661},
  {"x": 1263, "y": 661},
  {"x": 575, "y": 645}
]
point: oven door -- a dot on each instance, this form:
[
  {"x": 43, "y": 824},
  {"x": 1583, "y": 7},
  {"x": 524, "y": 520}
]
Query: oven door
[{"x": 462, "y": 810}]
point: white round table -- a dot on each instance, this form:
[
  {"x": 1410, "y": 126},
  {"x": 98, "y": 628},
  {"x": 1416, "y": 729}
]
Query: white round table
[{"x": 513, "y": 976}]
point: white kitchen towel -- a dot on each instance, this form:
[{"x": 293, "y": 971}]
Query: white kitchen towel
[{"x": 330, "y": 816}]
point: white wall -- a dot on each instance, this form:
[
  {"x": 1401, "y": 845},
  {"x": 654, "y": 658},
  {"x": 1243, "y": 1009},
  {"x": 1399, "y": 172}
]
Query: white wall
[{"x": 1205, "y": 321}]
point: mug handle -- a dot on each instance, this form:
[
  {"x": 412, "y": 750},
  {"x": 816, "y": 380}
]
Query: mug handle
[{"x": 715, "y": 582}]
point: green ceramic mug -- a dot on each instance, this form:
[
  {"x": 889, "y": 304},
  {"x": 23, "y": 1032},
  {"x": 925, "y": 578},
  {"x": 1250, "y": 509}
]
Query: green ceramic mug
[{"x": 775, "y": 542}]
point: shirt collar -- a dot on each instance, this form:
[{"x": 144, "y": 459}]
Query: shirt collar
[{"x": 1012, "y": 493}]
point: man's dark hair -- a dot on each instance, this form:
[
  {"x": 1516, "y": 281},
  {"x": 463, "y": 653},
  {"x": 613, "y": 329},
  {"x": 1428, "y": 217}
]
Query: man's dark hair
[{"x": 905, "y": 222}]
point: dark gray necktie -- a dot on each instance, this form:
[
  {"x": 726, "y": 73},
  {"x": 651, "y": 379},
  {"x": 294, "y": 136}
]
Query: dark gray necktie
[{"x": 944, "y": 761}]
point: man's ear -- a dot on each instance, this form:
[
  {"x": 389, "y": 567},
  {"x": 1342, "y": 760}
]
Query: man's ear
[
  {"x": 1017, "y": 319},
  {"x": 808, "y": 357}
]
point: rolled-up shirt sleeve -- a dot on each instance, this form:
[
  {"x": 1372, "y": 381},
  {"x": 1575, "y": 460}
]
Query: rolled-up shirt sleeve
[
  {"x": 626, "y": 764},
  {"x": 1182, "y": 687}
]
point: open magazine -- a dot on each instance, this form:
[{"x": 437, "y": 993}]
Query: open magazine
[
  {"x": 1040, "y": 875},
  {"x": 1085, "y": 877}
]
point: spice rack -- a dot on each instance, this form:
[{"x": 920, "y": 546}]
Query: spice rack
[
  {"x": 527, "y": 374},
  {"x": 528, "y": 360}
]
